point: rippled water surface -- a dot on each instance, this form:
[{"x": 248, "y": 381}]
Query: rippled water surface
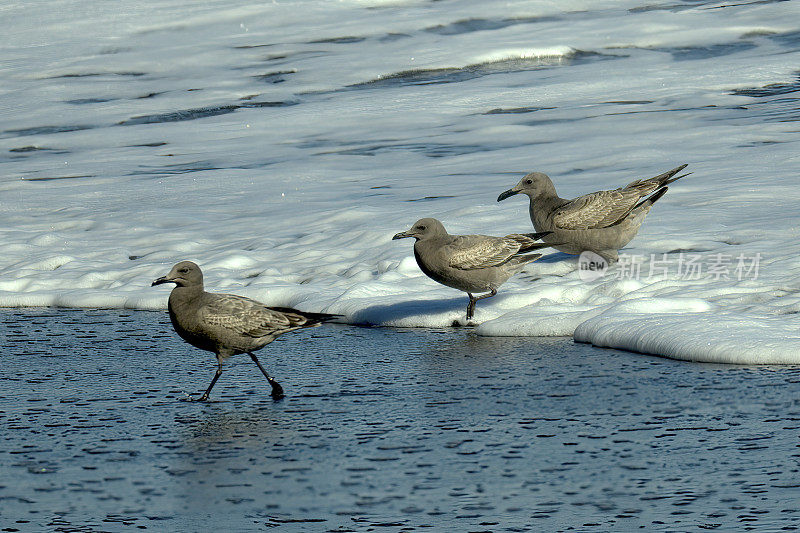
[{"x": 383, "y": 430}]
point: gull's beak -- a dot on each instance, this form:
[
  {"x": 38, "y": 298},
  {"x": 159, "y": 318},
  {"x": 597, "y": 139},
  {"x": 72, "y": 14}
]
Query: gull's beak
[
  {"x": 506, "y": 194},
  {"x": 159, "y": 281},
  {"x": 401, "y": 235}
]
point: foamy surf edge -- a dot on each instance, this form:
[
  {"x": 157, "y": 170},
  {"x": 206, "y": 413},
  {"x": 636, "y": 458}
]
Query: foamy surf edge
[{"x": 707, "y": 337}]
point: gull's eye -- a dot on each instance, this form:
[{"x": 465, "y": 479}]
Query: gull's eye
[
  {"x": 529, "y": 182},
  {"x": 183, "y": 270},
  {"x": 421, "y": 228}
]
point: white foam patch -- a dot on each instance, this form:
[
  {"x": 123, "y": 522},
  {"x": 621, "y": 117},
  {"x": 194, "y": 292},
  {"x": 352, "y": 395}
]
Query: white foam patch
[
  {"x": 546, "y": 320},
  {"x": 284, "y": 147},
  {"x": 704, "y": 337},
  {"x": 531, "y": 53}
]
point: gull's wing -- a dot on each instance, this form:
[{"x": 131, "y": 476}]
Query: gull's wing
[
  {"x": 597, "y": 210},
  {"x": 250, "y": 318},
  {"x": 469, "y": 252},
  {"x": 606, "y": 208}
]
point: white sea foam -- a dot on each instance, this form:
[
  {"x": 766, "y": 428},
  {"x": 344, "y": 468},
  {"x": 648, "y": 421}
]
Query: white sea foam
[
  {"x": 706, "y": 337},
  {"x": 531, "y": 53},
  {"x": 281, "y": 146}
]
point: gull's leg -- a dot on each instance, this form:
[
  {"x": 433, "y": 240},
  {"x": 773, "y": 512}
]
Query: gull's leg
[
  {"x": 204, "y": 397},
  {"x": 277, "y": 390},
  {"x": 473, "y": 300},
  {"x": 493, "y": 293},
  {"x": 471, "y": 306}
]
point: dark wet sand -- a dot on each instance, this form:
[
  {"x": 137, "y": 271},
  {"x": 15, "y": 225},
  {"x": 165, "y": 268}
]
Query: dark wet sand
[{"x": 383, "y": 430}]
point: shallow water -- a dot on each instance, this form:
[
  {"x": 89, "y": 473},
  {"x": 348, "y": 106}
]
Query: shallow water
[{"x": 383, "y": 430}]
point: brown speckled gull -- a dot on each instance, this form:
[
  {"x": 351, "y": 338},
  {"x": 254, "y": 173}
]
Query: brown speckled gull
[
  {"x": 470, "y": 263},
  {"x": 602, "y": 222},
  {"x": 227, "y": 324}
]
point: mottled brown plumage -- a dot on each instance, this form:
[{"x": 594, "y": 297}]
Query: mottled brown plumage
[
  {"x": 470, "y": 263},
  {"x": 601, "y": 222},
  {"x": 227, "y": 324}
]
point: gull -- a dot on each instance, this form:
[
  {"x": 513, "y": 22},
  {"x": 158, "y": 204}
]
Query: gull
[
  {"x": 601, "y": 222},
  {"x": 227, "y": 324},
  {"x": 470, "y": 263}
]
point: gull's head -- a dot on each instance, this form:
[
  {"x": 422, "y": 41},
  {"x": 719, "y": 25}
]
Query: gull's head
[
  {"x": 184, "y": 274},
  {"x": 422, "y": 229},
  {"x": 532, "y": 184}
]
